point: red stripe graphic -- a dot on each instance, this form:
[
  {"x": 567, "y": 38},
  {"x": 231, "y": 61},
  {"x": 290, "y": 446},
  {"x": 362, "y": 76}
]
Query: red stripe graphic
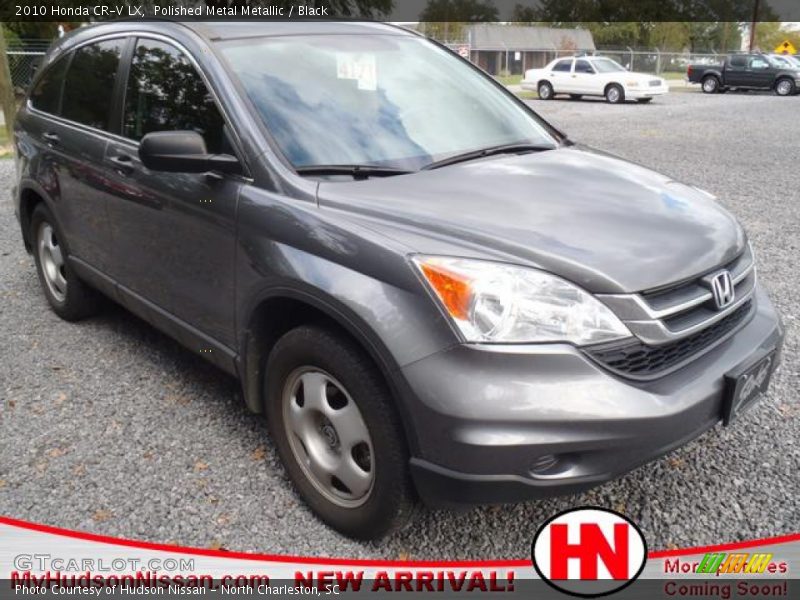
[{"x": 104, "y": 539}]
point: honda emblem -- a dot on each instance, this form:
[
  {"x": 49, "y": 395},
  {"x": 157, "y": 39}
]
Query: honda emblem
[{"x": 722, "y": 289}]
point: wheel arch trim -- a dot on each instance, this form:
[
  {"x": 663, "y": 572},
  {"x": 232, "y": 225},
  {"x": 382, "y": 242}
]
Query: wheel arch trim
[
  {"x": 27, "y": 188},
  {"x": 253, "y": 349}
]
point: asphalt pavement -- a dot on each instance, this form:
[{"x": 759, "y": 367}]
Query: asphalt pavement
[{"x": 108, "y": 426}]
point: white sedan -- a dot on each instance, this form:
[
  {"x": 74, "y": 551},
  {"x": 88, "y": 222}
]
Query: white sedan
[{"x": 593, "y": 76}]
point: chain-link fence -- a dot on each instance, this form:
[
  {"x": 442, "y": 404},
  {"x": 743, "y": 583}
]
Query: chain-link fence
[
  {"x": 23, "y": 65},
  {"x": 514, "y": 61},
  {"x": 23, "y": 61},
  {"x": 662, "y": 63}
]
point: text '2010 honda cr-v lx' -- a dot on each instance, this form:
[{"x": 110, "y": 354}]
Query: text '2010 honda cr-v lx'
[{"x": 428, "y": 290}]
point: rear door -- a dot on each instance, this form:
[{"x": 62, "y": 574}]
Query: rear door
[
  {"x": 174, "y": 233},
  {"x": 736, "y": 73},
  {"x": 72, "y": 106}
]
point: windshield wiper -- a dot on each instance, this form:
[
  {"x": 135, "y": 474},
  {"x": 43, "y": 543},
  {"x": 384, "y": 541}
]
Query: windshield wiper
[
  {"x": 355, "y": 171},
  {"x": 475, "y": 154}
]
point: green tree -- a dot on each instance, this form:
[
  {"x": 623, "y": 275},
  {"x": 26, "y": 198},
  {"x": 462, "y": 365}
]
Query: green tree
[
  {"x": 770, "y": 34},
  {"x": 445, "y": 19},
  {"x": 669, "y": 36}
]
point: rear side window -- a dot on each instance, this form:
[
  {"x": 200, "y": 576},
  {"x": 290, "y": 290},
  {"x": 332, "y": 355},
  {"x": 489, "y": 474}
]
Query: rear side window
[
  {"x": 166, "y": 93},
  {"x": 47, "y": 93},
  {"x": 738, "y": 61},
  {"x": 563, "y": 65},
  {"x": 89, "y": 85}
]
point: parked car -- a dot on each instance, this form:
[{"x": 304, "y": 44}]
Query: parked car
[
  {"x": 428, "y": 290},
  {"x": 593, "y": 76},
  {"x": 746, "y": 71},
  {"x": 785, "y": 60}
]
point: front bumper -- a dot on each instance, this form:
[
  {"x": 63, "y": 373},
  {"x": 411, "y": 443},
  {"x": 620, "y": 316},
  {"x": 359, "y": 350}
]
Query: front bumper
[
  {"x": 506, "y": 424},
  {"x": 645, "y": 91}
]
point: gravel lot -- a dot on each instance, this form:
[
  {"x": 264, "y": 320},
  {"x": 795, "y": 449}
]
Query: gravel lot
[{"x": 110, "y": 427}]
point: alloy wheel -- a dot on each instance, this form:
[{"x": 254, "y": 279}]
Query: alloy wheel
[
  {"x": 328, "y": 437},
  {"x": 784, "y": 87},
  {"x": 51, "y": 259}
]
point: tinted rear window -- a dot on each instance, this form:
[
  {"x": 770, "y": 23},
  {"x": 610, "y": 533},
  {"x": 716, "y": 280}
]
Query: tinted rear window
[
  {"x": 563, "y": 65},
  {"x": 47, "y": 93},
  {"x": 89, "y": 85}
]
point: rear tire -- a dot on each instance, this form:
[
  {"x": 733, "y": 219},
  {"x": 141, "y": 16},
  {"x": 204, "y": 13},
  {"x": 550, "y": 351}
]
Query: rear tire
[
  {"x": 615, "y": 94},
  {"x": 545, "y": 90},
  {"x": 68, "y": 296},
  {"x": 335, "y": 426},
  {"x": 785, "y": 87},
  {"x": 710, "y": 84}
]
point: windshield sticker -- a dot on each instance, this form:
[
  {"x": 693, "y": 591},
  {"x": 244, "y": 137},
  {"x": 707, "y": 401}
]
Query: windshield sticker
[{"x": 360, "y": 67}]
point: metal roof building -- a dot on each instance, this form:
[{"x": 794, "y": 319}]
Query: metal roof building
[{"x": 515, "y": 48}]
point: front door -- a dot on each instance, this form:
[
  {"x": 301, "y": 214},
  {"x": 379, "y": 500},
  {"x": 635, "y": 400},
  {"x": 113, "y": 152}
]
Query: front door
[
  {"x": 174, "y": 233},
  {"x": 761, "y": 73},
  {"x": 584, "y": 79}
]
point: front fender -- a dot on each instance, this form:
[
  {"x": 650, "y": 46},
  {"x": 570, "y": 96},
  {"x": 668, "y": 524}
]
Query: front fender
[{"x": 289, "y": 248}]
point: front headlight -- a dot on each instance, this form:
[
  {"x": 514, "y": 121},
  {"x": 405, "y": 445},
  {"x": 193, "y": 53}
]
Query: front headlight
[{"x": 497, "y": 302}]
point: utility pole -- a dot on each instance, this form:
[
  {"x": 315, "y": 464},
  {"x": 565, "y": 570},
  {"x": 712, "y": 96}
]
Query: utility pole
[
  {"x": 7, "y": 101},
  {"x": 753, "y": 25}
]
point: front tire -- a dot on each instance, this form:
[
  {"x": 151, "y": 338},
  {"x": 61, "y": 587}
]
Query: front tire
[
  {"x": 615, "y": 94},
  {"x": 785, "y": 87},
  {"x": 545, "y": 90},
  {"x": 333, "y": 421},
  {"x": 68, "y": 296}
]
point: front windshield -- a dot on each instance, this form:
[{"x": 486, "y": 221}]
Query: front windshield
[
  {"x": 385, "y": 100},
  {"x": 606, "y": 65}
]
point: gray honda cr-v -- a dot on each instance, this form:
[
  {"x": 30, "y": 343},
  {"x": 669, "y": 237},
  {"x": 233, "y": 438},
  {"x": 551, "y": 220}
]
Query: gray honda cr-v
[{"x": 428, "y": 290}]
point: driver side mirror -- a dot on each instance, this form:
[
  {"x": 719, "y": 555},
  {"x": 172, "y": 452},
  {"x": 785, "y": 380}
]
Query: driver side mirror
[{"x": 183, "y": 152}]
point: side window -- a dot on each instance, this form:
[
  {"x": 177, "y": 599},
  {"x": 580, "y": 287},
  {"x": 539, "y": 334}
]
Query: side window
[
  {"x": 583, "y": 66},
  {"x": 738, "y": 61},
  {"x": 563, "y": 65},
  {"x": 758, "y": 63},
  {"x": 47, "y": 93},
  {"x": 89, "y": 85},
  {"x": 166, "y": 93}
]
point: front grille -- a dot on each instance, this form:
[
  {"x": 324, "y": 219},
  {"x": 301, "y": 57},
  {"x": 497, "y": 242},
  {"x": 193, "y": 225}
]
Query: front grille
[
  {"x": 643, "y": 361},
  {"x": 673, "y": 323},
  {"x": 655, "y": 82}
]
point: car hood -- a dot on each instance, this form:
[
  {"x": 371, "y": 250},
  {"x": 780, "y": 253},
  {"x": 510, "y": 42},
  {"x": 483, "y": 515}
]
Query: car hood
[{"x": 607, "y": 224}]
